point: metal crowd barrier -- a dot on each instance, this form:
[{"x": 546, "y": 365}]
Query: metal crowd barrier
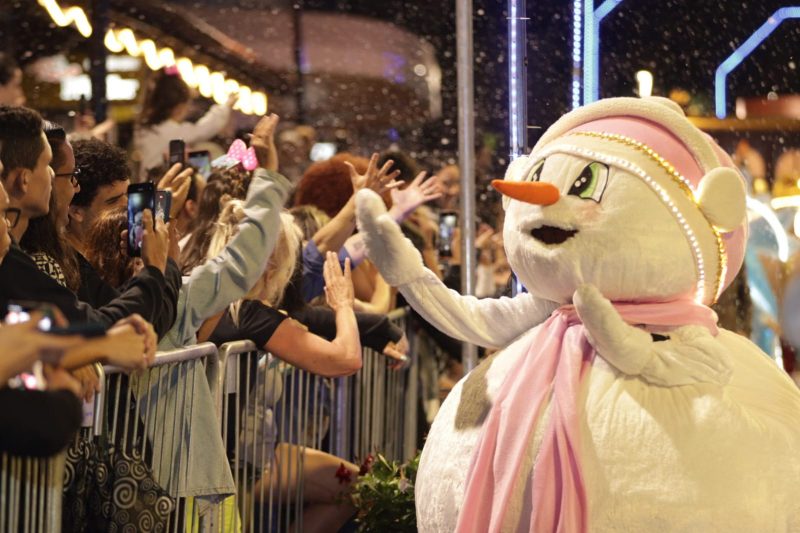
[
  {"x": 30, "y": 493},
  {"x": 128, "y": 425},
  {"x": 265, "y": 403},
  {"x": 261, "y": 403}
]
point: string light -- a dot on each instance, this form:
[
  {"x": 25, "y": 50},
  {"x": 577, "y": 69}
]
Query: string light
[
  {"x": 211, "y": 85},
  {"x": 577, "y": 21},
  {"x": 71, "y": 15},
  {"x": 644, "y": 79}
]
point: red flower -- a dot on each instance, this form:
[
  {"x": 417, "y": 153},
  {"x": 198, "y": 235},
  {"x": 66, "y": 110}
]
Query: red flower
[
  {"x": 343, "y": 474},
  {"x": 366, "y": 466}
]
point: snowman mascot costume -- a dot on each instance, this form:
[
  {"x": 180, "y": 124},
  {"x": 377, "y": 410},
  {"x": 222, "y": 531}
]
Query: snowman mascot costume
[{"x": 616, "y": 403}]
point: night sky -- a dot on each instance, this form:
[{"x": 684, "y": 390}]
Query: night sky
[{"x": 680, "y": 41}]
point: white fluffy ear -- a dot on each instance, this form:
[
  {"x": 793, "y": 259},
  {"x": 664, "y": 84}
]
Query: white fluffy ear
[
  {"x": 722, "y": 199},
  {"x": 514, "y": 173}
]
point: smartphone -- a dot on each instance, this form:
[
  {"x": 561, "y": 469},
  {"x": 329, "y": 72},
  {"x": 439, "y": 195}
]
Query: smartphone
[
  {"x": 448, "y": 222},
  {"x": 141, "y": 196},
  {"x": 86, "y": 329},
  {"x": 201, "y": 161},
  {"x": 163, "y": 204},
  {"x": 18, "y": 312},
  {"x": 83, "y": 105},
  {"x": 177, "y": 152}
]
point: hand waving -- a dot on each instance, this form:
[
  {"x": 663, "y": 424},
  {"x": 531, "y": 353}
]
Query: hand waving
[
  {"x": 418, "y": 192},
  {"x": 379, "y": 180},
  {"x": 263, "y": 142},
  {"x": 177, "y": 181},
  {"x": 338, "y": 284}
]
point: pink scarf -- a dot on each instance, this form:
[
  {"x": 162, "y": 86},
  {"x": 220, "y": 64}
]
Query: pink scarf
[{"x": 556, "y": 361}]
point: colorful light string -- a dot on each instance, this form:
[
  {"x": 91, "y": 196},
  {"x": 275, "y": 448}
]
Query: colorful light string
[{"x": 198, "y": 76}]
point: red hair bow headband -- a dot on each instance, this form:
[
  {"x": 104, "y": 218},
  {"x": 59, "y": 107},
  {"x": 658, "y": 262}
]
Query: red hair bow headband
[{"x": 238, "y": 154}]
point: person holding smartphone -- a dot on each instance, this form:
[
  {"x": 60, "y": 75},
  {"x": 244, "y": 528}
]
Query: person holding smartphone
[
  {"x": 164, "y": 119},
  {"x": 27, "y": 177}
]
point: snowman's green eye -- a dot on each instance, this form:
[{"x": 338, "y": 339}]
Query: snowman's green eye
[
  {"x": 536, "y": 173},
  {"x": 591, "y": 182}
]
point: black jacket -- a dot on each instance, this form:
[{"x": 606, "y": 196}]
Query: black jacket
[
  {"x": 150, "y": 293},
  {"x": 37, "y": 423},
  {"x": 375, "y": 331}
]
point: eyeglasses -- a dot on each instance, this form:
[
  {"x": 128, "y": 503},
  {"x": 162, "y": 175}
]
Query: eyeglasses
[
  {"x": 11, "y": 214},
  {"x": 73, "y": 176}
]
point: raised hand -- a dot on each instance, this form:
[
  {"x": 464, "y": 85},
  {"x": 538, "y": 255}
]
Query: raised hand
[
  {"x": 418, "y": 192},
  {"x": 338, "y": 284},
  {"x": 155, "y": 241},
  {"x": 263, "y": 142},
  {"x": 177, "y": 181},
  {"x": 377, "y": 179}
]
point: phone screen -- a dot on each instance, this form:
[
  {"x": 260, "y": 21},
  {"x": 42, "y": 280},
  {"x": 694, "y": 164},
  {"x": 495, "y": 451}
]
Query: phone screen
[
  {"x": 140, "y": 197},
  {"x": 201, "y": 160},
  {"x": 19, "y": 312},
  {"x": 448, "y": 222},
  {"x": 163, "y": 204},
  {"x": 322, "y": 151}
]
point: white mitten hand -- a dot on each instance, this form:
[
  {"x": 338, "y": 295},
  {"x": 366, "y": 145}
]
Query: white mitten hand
[
  {"x": 397, "y": 259},
  {"x": 690, "y": 355}
]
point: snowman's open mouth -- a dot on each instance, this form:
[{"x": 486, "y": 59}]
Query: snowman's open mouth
[{"x": 552, "y": 234}]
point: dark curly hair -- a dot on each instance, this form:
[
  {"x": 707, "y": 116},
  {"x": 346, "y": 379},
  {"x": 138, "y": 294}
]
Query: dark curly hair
[
  {"x": 168, "y": 92},
  {"x": 113, "y": 267},
  {"x": 101, "y": 164},
  {"x": 20, "y": 137}
]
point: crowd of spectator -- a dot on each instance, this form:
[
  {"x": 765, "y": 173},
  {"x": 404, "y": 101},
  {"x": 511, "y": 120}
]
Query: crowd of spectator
[{"x": 242, "y": 254}]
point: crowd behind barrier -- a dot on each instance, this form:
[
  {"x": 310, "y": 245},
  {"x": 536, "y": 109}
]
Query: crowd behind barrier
[{"x": 260, "y": 404}]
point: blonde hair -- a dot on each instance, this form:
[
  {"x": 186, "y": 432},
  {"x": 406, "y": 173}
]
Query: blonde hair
[
  {"x": 271, "y": 285},
  {"x": 309, "y": 219}
]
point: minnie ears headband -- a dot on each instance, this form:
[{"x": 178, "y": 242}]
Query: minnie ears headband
[{"x": 238, "y": 154}]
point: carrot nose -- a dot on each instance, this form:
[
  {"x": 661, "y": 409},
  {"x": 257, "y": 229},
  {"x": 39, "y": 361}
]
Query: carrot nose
[{"x": 532, "y": 192}]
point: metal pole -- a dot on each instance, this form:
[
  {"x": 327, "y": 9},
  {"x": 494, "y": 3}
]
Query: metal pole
[
  {"x": 517, "y": 78},
  {"x": 517, "y": 89},
  {"x": 577, "y": 50},
  {"x": 97, "y": 57},
  {"x": 466, "y": 159}
]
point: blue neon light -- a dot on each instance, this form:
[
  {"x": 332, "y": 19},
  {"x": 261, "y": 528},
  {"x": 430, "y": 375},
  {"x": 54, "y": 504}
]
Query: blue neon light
[
  {"x": 591, "y": 46},
  {"x": 739, "y": 55}
]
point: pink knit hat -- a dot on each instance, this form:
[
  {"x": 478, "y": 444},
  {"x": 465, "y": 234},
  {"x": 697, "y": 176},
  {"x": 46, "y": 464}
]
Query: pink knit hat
[{"x": 654, "y": 134}]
